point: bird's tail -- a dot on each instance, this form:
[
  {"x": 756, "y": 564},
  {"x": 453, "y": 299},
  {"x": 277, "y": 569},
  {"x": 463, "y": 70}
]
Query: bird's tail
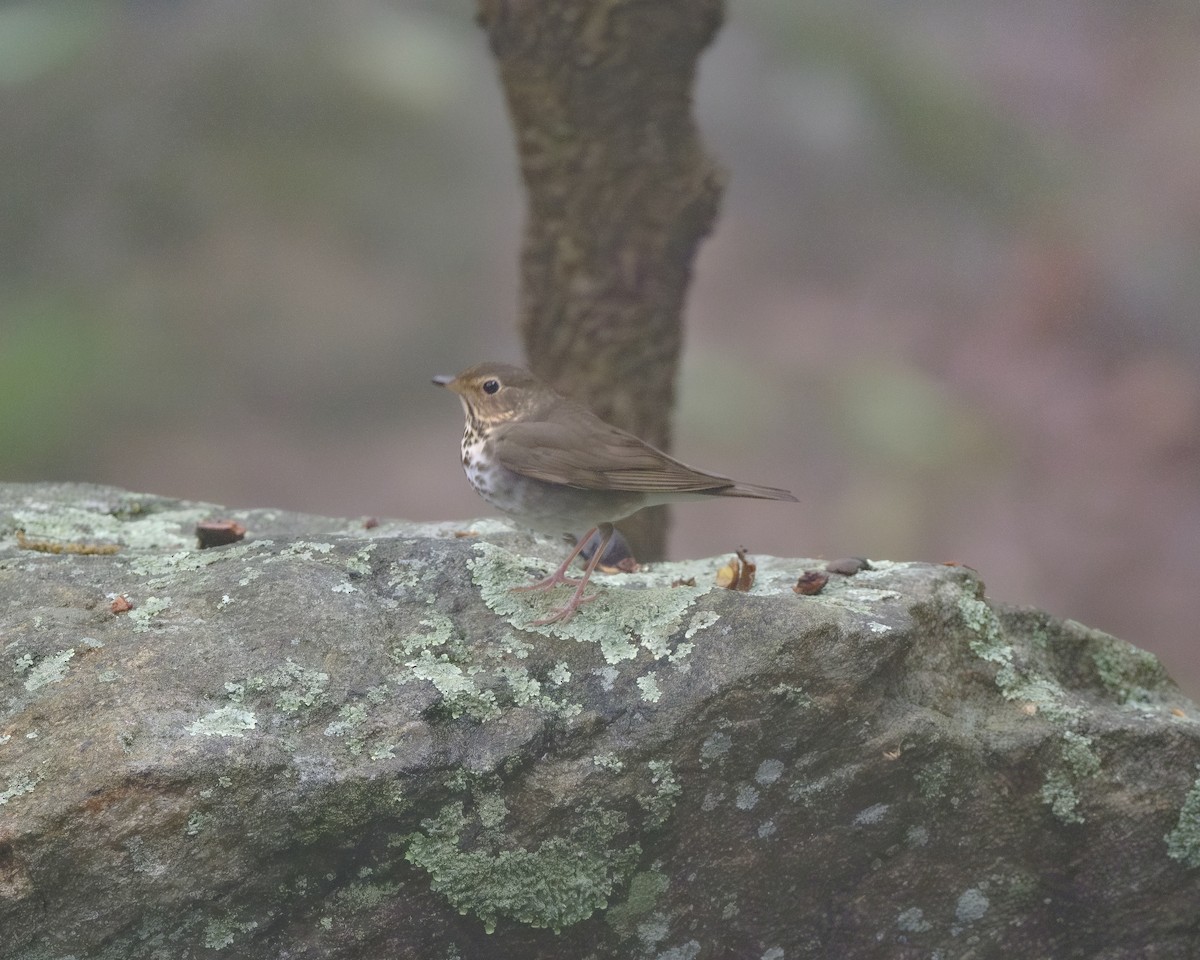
[{"x": 754, "y": 492}]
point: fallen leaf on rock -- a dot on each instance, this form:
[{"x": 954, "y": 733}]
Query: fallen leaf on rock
[
  {"x": 811, "y": 582},
  {"x": 218, "y": 533},
  {"x": 738, "y": 573},
  {"x": 120, "y": 605}
]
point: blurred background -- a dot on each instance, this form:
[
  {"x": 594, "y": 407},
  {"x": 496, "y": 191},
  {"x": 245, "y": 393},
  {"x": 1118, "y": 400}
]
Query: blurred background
[{"x": 952, "y": 301}]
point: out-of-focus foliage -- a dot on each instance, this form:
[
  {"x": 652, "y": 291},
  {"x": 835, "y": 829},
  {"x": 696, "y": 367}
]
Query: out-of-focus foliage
[{"x": 952, "y": 299}]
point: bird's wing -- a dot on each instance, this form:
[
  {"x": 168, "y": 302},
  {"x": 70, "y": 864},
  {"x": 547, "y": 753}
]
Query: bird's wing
[{"x": 611, "y": 459}]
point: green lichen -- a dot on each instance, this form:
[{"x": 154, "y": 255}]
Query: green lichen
[
  {"x": 1183, "y": 843},
  {"x": 50, "y": 670},
  {"x": 526, "y": 691},
  {"x": 933, "y": 778},
  {"x": 228, "y": 721},
  {"x": 164, "y": 569},
  {"x": 360, "y": 563},
  {"x": 219, "y": 934},
  {"x": 1129, "y": 673},
  {"x": 1079, "y": 762},
  {"x": 562, "y": 881},
  {"x": 808, "y": 792},
  {"x": 559, "y": 674},
  {"x": 358, "y": 897},
  {"x": 701, "y": 620},
  {"x": 16, "y": 788},
  {"x": 305, "y": 549},
  {"x": 440, "y": 633},
  {"x": 1058, "y": 791},
  {"x": 348, "y": 725},
  {"x": 479, "y": 684},
  {"x": 648, "y": 684},
  {"x": 461, "y": 695},
  {"x": 653, "y": 930},
  {"x": 492, "y": 811},
  {"x": 167, "y": 529},
  {"x": 685, "y": 951},
  {"x": 144, "y": 613},
  {"x": 679, "y": 656},
  {"x": 660, "y": 804},
  {"x": 300, "y": 687},
  {"x": 642, "y": 611},
  {"x": 988, "y": 635},
  {"x": 792, "y": 694}
]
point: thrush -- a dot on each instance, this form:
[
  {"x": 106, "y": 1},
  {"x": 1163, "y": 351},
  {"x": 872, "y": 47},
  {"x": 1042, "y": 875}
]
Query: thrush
[{"x": 553, "y": 465}]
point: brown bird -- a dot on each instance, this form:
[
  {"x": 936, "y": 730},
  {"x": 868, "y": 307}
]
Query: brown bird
[{"x": 555, "y": 466}]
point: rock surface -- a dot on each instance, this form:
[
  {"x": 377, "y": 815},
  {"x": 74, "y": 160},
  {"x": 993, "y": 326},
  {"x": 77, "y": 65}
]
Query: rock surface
[{"x": 333, "y": 741}]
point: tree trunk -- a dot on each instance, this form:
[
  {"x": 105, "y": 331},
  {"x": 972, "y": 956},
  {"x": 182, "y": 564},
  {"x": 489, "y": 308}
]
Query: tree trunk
[{"x": 620, "y": 194}]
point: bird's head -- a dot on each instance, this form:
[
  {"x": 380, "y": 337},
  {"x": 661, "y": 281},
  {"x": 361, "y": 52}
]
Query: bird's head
[{"x": 495, "y": 393}]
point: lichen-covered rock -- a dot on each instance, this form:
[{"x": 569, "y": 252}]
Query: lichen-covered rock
[{"x": 334, "y": 741}]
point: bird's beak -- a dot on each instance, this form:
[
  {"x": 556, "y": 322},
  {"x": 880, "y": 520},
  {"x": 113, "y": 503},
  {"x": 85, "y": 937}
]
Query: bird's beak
[{"x": 443, "y": 380}]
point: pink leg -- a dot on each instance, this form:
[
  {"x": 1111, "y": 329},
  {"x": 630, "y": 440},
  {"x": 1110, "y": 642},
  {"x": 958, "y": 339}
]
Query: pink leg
[
  {"x": 565, "y": 613},
  {"x": 560, "y": 575}
]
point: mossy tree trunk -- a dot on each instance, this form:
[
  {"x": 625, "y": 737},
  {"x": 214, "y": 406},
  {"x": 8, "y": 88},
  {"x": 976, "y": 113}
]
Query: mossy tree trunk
[{"x": 620, "y": 193}]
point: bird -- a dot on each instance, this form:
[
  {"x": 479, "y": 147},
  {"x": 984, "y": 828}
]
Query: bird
[{"x": 551, "y": 464}]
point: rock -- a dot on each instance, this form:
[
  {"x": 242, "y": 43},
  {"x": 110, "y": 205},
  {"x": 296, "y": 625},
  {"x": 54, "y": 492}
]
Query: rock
[{"x": 330, "y": 740}]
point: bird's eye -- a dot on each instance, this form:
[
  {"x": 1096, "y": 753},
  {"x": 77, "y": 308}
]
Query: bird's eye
[{"x": 491, "y": 386}]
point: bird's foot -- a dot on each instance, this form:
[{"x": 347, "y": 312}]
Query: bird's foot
[
  {"x": 564, "y": 613},
  {"x": 549, "y": 583}
]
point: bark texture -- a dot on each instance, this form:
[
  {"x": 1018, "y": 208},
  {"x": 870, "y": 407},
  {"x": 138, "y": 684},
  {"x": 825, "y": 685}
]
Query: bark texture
[{"x": 620, "y": 193}]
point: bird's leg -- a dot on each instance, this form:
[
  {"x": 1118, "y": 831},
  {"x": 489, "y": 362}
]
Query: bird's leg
[
  {"x": 560, "y": 575},
  {"x": 565, "y": 613}
]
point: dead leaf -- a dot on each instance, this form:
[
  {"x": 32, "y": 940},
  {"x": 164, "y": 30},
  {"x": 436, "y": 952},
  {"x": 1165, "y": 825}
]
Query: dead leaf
[
  {"x": 811, "y": 582},
  {"x": 738, "y": 573},
  {"x": 218, "y": 533}
]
